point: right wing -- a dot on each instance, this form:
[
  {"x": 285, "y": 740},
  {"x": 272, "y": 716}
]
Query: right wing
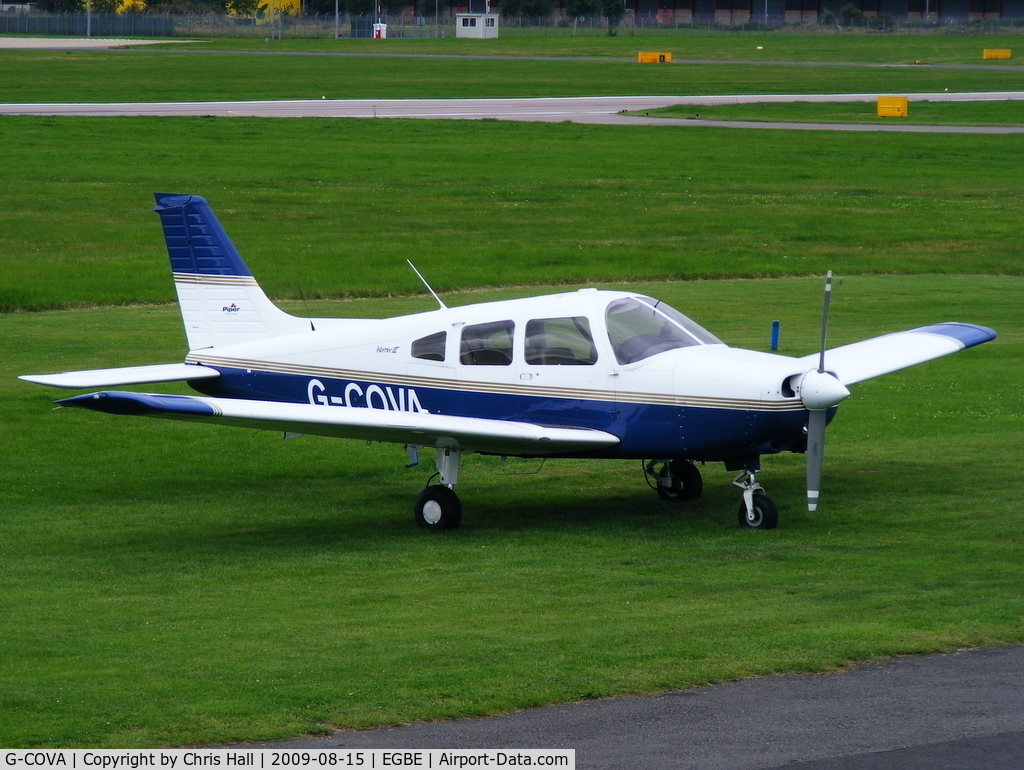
[
  {"x": 417, "y": 428},
  {"x": 874, "y": 357}
]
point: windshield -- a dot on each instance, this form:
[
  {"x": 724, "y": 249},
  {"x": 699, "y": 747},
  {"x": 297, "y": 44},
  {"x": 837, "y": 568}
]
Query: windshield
[
  {"x": 687, "y": 323},
  {"x": 640, "y": 327}
]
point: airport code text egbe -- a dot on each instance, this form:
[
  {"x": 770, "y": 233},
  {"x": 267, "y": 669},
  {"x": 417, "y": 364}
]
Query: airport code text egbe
[{"x": 170, "y": 759}]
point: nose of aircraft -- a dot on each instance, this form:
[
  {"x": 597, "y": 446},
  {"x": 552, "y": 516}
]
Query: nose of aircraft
[{"x": 820, "y": 390}]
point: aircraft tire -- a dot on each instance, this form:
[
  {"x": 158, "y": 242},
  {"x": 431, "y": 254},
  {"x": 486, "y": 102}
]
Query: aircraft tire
[
  {"x": 438, "y": 508},
  {"x": 685, "y": 482},
  {"x": 764, "y": 516}
]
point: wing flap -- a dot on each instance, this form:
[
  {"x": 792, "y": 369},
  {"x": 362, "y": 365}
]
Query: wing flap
[
  {"x": 421, "y": 428},
  {"x": 126, "y": 375},
  {"x": 892, "y": 352}
]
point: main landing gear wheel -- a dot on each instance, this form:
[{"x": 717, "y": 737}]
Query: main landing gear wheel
[
  {"x": 438, "y": 508},
  {"x": 679, "y": 480},
  {"x": 765, "y": 515}
]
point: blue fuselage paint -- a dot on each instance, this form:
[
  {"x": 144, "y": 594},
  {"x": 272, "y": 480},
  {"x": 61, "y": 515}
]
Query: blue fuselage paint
[{"x": 644, "y": 430}]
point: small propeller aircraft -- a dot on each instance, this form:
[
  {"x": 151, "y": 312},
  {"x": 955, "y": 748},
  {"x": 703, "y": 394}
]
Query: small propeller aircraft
[{"x": 586, "y": 374}]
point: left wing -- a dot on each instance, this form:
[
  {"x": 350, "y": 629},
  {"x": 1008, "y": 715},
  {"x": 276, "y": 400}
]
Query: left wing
[
  {"x": 125, "y": 375},
  {"x": 892, "y": 352},
  {"x": 419, "y": 428}
]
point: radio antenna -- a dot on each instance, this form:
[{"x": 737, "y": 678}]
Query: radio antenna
[{"x": 424, "y": 280}]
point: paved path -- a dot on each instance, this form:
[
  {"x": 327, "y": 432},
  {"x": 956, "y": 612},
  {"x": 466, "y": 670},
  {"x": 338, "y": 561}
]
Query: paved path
[
  {"x": 596, "y": 109},
  {"x": 76, "y": 43},
  {"x": 960, "y": 710}
]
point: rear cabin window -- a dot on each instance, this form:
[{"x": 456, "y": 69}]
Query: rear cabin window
[
  {"x": 560, "y": 342},
  {"x": 487, "y": 344},
  {"x": 638, "y": 330},
  {"x": 430, "y": 348}
]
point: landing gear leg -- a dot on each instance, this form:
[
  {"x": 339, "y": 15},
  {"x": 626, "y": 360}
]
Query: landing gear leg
[
  {"x": 675, "y": 480},
  {"x": 757, "y": 511},
  {"x": 438, "y": 507}
]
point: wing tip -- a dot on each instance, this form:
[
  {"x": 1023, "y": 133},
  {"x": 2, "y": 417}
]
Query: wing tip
[{"x": 968, "y": 335}]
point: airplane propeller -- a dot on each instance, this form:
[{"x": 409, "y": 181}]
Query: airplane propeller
[{"x": 819, "y": 391}]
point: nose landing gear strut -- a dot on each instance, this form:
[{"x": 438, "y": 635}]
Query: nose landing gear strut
[{"x": 757, "y": 511}]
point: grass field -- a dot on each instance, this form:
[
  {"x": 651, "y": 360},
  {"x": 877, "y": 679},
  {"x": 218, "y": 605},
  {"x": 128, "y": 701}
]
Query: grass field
[
  {"x": 75, "y": 76},
  {"x": 166, "y": 584},
  {"x": 685, "y": 45},
  {"x": 328, "y": 208},
  {"x": 1001, "y": 113},
  {"x": 304, "y": 69}
]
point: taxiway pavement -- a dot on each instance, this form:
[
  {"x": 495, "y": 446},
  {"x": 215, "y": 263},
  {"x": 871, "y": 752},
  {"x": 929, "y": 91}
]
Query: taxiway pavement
[
  {"x": 607, "y": 110},
  {"x": 936, "y": 712}
]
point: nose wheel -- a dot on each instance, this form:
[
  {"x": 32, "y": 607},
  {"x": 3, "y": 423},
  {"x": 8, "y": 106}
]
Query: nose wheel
[{"x": 757, "y": 511}]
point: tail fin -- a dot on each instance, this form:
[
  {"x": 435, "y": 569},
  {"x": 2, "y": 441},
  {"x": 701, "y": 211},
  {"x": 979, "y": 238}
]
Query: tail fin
[{"x": 221, "y": 303}]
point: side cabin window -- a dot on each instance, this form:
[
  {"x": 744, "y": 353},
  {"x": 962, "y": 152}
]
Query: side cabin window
[
  {"x": 430, "y": 348},
  {"x": 639, "y": 328},
  {"x": 487, "y": 344},
  {"x": 560, "y": 342}
]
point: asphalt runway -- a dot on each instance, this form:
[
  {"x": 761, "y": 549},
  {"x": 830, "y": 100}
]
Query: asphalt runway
[
  {"x": 936, "y": 712},
  {"x": 606, "y": 110},
  {"x": 75, "y": 43}
]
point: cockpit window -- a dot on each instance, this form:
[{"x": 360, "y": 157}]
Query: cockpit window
[
  {"x": 560, "y": 342},
  {"x": 639, "y": 327},
  {"x": 487, "y": 344},
  {"x": 686, "y": 322}
]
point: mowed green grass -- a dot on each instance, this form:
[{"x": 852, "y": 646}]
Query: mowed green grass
[
  {"x": 925, "y": 47},
  {"x": 591, "y": 66},
  {"x": 997, "y": 113},
  {"x": 327, "y": 208},
  {"x": 166, "y": 584}
]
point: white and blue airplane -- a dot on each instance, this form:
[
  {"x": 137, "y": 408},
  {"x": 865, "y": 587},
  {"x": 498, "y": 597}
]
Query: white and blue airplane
[{"x": 586, "y": 374}]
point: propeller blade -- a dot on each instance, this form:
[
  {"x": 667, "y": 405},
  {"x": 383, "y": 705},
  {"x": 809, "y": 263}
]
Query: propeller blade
[
  {"x": 824, "y": 318},
  {"x": 816, "y": 417},
  {"x": 815, "y": 456}
]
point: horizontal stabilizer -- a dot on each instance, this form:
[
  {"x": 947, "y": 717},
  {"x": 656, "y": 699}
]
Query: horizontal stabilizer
[
  {"x": 127, "y": 375},
  {"x": 418, "y": 428},
  {"x": 892, "y": 352}
]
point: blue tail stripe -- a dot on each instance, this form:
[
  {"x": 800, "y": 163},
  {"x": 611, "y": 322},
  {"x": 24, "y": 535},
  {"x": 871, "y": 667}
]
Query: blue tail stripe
[{"x": 196, "y": 243}]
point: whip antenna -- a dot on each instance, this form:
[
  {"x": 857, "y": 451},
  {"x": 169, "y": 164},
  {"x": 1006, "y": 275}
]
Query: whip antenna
[{"x": 424, "y": 281}]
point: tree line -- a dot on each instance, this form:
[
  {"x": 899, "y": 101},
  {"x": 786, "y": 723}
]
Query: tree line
[{"x": 613, "y": 10}]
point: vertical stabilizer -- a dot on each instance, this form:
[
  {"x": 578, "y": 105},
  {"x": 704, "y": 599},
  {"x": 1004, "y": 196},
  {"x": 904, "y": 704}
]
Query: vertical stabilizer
[{"x": 221, "y": 303}]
